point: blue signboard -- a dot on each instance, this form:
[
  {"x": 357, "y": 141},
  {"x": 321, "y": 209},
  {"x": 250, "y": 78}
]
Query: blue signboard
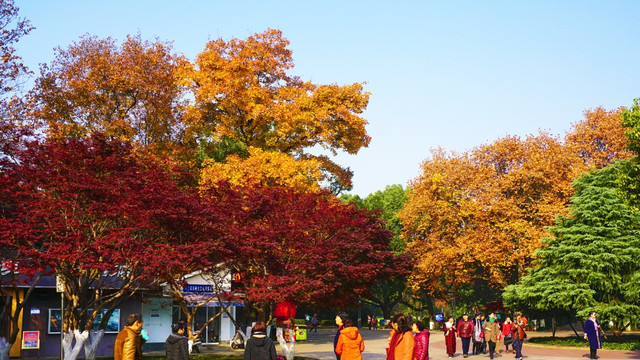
[
  {"x": 439, "y": 317},
  {"x": 198, "y": 289}
]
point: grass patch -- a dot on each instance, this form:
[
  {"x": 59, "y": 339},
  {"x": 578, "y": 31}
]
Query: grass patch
[{"x": 622, "y": 342}]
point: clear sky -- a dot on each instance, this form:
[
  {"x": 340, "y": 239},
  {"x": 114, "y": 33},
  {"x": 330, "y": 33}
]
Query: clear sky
[{"x": 450, "y": 74}]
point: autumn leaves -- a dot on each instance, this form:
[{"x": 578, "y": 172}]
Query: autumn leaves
[
  {"x": 481, "y": 214},
  {"x": 236, "y": 92}
]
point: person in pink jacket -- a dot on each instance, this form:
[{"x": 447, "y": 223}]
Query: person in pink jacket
[{"x": 421, "y": 341}]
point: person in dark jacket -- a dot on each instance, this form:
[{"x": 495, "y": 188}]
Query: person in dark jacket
[
  {"x": 177, "y": 344},
  {"x": 592, "y": 334},
  {"x": 259, "y": 346}
]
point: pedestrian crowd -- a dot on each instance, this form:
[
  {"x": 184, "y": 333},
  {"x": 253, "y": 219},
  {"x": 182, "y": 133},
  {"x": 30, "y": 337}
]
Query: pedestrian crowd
[{"x": 408, "y": 340}]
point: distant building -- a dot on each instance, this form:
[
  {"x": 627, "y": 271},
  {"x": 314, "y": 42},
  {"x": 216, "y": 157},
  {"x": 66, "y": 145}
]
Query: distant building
[{"x": 42, "y": 313}]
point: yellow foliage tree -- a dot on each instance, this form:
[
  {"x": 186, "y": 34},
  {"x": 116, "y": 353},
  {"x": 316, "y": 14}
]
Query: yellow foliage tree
[
  {"x": 263, "y": 168},
  {"x": 243, "y": 92}
]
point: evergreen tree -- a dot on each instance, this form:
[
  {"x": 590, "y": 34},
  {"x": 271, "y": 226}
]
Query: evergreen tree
[{"x": 591, "y": 260}]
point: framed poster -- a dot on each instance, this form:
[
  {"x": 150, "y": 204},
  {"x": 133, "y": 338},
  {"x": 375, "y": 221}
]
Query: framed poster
[
  {"x": 55, "y": 321},
  {"x": 31, "y": 339},
  {"x": 113, "y": 325}
]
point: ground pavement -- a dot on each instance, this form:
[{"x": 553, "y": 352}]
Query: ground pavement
[{"x": 320, "y": 346}]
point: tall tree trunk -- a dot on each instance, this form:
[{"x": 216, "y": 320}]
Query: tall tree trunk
[
  {"x": 91, "y": 345},
  {"x": 71, "y": 351},
  {"x": 554, "y": 326},
  {"x": 386, "y": 311},
  {"x": 288, "y": 350}
]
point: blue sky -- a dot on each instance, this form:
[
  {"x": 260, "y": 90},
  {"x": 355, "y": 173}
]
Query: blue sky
[{"x": 450, "y": 74}]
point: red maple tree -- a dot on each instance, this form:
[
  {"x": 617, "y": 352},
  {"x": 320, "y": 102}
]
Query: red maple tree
[
  {"x": 305, "y": 247},
  {"x": 100, "y": 217}
]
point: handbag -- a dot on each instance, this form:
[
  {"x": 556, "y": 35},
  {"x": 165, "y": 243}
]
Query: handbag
[{"x": 508, "y": 339}]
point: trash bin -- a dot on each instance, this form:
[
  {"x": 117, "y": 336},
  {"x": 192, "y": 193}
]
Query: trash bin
[{"x": 301, "y": 334}]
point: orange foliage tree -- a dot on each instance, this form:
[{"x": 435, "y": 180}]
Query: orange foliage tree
[
  {"x": 480, "y": 215},
  {"x": 599, "y": 139},
  {"x": 130, "y": 91},
  {"x": 243, "y": 92},
  {"x": 439, "y": 221}
]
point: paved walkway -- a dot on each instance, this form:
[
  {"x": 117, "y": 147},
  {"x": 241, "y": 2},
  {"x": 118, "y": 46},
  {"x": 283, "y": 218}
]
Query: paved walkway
[{"x": 320, "y": 346}]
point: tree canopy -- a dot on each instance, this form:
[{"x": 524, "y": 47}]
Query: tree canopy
[
  {"x": 480, "y": 215},
  {"x": 591, "y": 261},
  {"x": 244, "y": 92}
]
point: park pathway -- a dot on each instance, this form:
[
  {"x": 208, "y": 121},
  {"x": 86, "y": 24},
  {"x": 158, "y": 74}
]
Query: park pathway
[{"x": 320, "y": 346}]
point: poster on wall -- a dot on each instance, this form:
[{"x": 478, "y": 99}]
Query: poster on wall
[
  {"x": 113, "y": 325},
  {"x": 55, "y": 321},
  {"x": 31, "y": 339}
]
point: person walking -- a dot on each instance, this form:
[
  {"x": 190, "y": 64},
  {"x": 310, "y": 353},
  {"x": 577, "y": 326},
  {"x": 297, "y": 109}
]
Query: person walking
[
  {"x": 491, "y": 333},
  {"x": 350, "y": 344},
  {"x": 129, "y": 341},
  {"x": 421, "y": 341},
  {"x": 592, "y": 334},
  {"x": 506, "y": 334},
  {"x": 177, "y": 344},
  {"x": 450, "y": 336},
  {"x": 260, "y": 346},
  {"x": 517, "y": 330},
  {"x": 401, "y": 341},
  {"x": 465, "y": 331},
  {"x": 478, "y": 335},
  {"x": 314, "y": 323},
  {"x": 341, "y": 317}
]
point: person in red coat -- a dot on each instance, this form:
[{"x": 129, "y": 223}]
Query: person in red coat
[
  {"x": 506, "y": 334},
  {"x": 465, "y": 331},
  {"x": 450, "y": 336},
  {"x": 421, "y": 341}
]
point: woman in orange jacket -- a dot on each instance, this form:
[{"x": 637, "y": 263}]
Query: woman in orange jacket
[
  {"x": 350, "y": 344},
  {"x": 401, "y": 342}
]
